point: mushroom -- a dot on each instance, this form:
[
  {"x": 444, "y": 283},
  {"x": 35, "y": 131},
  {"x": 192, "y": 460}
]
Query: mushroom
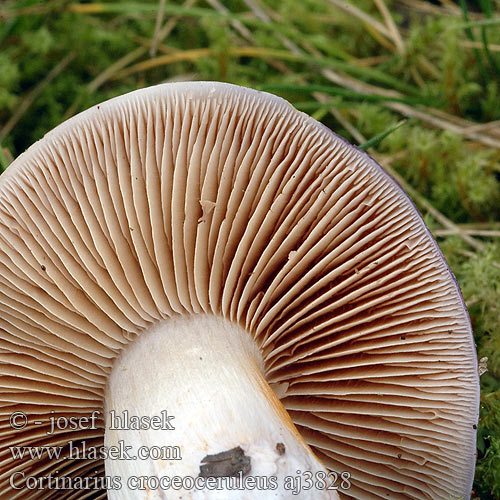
[{"x": 202, "y": 274}]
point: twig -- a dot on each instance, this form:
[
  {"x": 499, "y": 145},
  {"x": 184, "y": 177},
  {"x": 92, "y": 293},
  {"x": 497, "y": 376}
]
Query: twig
[
  {"x": 357, "y": 85},
  {"x": 427, "y": 66},
  {"x": 416, "y": 77},
  {"x": 380, "y": 38},
  {"x": 116, "y": 66},
  {"x": 432, "y": 116},
  {"x": 438, "y": 118}
]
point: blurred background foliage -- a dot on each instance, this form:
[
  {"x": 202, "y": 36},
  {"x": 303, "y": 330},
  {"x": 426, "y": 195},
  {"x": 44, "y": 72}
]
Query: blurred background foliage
[{"x": 360, "y": 67}]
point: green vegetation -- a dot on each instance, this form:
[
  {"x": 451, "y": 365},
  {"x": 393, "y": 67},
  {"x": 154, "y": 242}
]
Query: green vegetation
[{"x": 361, "y": 71}]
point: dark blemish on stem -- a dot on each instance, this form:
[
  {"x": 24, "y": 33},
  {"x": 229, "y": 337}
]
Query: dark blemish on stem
[
  {"x": 225, "y": 464},
  {"x": 280, "y": 448}
]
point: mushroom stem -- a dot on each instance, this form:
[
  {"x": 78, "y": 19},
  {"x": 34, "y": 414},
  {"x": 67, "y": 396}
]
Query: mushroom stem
[{"x": 194, "y": 386}]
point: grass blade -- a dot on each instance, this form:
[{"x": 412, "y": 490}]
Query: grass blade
[{"x": 375, "y": 140}]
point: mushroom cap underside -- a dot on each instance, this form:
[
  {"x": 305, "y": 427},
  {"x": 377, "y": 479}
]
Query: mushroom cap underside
[{"x": 208, "y": 198}]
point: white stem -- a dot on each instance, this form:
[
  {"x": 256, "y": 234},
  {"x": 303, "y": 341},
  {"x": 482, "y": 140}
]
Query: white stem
[{"x": 206, "y": 373}]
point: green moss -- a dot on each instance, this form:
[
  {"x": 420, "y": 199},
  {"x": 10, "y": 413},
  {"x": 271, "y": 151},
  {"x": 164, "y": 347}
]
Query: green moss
[
  {"x": 479, "y": 277},
  {"x": 457, "y": 175},
  {"x": 9, "y": 80},
  {"x": 480, "y": 281},
  {"x": 459, "y": 181},
  {"x": 38, "y": 42},
  {"x": 487, "y": 483}
]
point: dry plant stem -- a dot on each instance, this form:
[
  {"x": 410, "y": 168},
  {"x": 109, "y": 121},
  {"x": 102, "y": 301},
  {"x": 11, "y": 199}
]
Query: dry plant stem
[
  {"x": 448, "y": 4},
  {"x": 428, "y": 8},
  {"x": 156, "y": 35},
  {"x": 491, "y": 127},
  {"x": 480, "y": 225},
  {"x": 245, "y": 33},
  {"x": 396, "y": 36},
  {"x": 262, "y": 15},
  {"x": 479, "y": 45},
  {"x": 237, "y": 25},
  {"x": 472, "y": 232},
  {"x": 369, "y": 20},
  {"x": 167, "y": 28},
  {"x": 444, "y": 124},
  {"x": 179, "y": 367}
]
